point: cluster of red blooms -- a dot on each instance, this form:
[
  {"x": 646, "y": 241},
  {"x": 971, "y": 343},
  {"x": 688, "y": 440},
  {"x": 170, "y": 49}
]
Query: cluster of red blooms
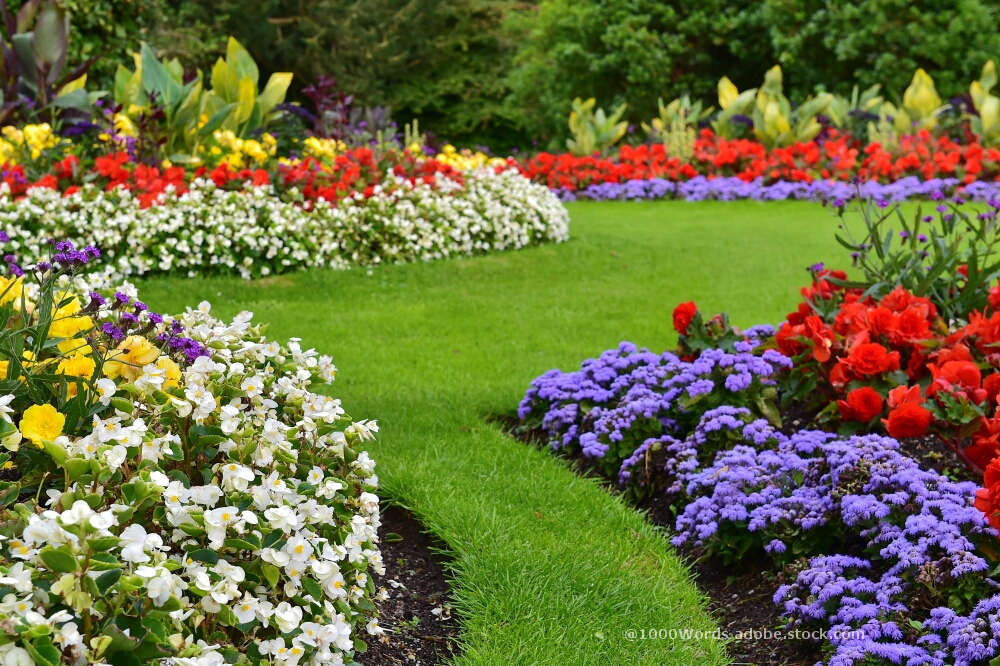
[
  {"x": 894, "y": 363},
  {"x": 355, "y": 171},
  {"x": 835, "y": 155},
  {"x": 576, "y": 173}
]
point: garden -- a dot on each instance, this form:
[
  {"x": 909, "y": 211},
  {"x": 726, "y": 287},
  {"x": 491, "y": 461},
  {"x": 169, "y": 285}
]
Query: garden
[{"x": 491, "y": 332}]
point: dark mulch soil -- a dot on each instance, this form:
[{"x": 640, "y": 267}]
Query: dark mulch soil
[
  {"x": 741, "y": 597},
  {"x": 416, "y": 616}
]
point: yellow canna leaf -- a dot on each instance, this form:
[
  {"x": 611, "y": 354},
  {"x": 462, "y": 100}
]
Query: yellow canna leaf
[
  {"x": 274, "y": 92},
  {"x": 75, "y": 84},
  {"x": 728, "y": 93},
  {"x": 921, "y": 97},
  {"x": 247, "y": 96}
]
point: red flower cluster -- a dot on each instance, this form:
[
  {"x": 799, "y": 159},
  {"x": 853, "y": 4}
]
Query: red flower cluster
[
  {"x": 359, "y": 170},
  {"x": 834, "y": 155},
  {"x": 865, "y": 351}
]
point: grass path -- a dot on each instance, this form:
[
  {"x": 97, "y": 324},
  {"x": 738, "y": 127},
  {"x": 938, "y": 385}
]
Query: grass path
[{"x": 549, "y": 568}]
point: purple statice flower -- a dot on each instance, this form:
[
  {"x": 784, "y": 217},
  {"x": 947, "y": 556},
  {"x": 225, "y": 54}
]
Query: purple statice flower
[{"x": 112, "y": 331}]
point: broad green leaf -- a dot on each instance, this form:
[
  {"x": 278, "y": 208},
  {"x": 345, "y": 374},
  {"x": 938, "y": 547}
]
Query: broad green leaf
[
  {"x": 107, "y": 579},
  {"x": 204, "y": 555},
  {"x": 58, "y": 559}
]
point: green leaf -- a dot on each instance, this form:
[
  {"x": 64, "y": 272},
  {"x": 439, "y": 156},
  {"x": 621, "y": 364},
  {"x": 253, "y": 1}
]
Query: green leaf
[
  {"x": 9, "y": 492},
  {"x": 44, "y": 654},
  {"x": 55, "y": 451},
  {"x": 272, "y": 574},
  {"x": 122, "y": 405},
  {"x": 204, "y": 555},
  {"x": 243, "y": 543},
  {"x": 58, "y": 559},
  {"x": 313, "y": 588},
  {"x": 107, "y": 579},
  {"x": 101, "y": 544},
  {"x": 104, "y": 561}
]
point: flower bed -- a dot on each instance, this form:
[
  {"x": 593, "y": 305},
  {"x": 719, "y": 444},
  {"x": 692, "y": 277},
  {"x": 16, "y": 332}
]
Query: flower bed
[
  {"x": 896, "y": 562},
  {"x": 822, "y": 169},
  {"x": 253, "y": 231},
  {"x": 172, "y": 487}
]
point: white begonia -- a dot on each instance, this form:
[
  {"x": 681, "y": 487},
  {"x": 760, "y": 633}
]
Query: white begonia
[
  {"x": 287, "y": 617},
  {"x": 106, "y": 389},
  {"x": 159, "y": 552}
]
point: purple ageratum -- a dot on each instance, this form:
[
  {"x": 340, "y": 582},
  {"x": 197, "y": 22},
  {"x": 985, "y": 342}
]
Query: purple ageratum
[
  {"x": 732, "y": 188},
  {"x": 630, "y": 402}
]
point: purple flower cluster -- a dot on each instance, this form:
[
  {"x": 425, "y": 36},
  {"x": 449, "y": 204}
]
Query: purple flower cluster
[
  {"x": 629, "y": 402},
  {"x": 889, "y": 558},
  {"x": 129, "y": 323},
  {"x": 701, "y": 188}
]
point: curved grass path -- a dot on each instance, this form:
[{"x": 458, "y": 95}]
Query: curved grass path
[{"x": 549, "y": 568}]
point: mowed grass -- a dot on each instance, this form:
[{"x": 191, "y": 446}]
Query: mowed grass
[{"x": 548, "y": 567}]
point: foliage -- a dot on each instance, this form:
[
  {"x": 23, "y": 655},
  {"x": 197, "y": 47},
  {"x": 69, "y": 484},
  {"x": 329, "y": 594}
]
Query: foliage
[
  {"x": 677, "y": 126},
  {"x": 834, "y": 44},
  {"x": 442, "y": 62},
  {"x": 188, "y": 113},
  {"x": 594, "y": 131},
  {"x": 31, "y": 72},
  {"x": 985, "y": 123},
  {"x": 626, "y": 51},
  {"x": 775, "y": 123},
  {"x": 732, "y": 103},
  {"x": 952, "y": 258}
]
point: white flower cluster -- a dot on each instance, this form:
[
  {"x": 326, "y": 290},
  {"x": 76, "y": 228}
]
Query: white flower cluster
[
  {"x": 256, "y": 233},
  {"x": 211, "y": 511}
]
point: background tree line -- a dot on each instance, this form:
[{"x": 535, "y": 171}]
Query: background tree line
[{"x": 504, "y": 72}]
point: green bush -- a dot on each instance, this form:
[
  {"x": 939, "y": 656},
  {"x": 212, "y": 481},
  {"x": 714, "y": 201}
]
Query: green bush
[
  {"x": 838, "y": 43},
  {"x": 634, "y": 51},
  {"x": 442, "y": 61}
]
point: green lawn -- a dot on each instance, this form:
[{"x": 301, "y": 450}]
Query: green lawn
[{"x": 549, "y": 568}]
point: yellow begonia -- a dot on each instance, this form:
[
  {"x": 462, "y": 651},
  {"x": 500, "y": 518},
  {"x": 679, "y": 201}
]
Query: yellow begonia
[
  {"x": 238, "y": 150},
  {"x": 128, "y": 359},
  {"x": 41, "y": 423},
  {"x": 465, "y": 159},
  {"x": 323, "y": 148},
  {"x": 77, "y": 365},
  {"x": 172, "y": 373},
  {"x": 124, "y": 125},
  {"x": 67, "y": 322},
  {"x": 10, "y": 291}
]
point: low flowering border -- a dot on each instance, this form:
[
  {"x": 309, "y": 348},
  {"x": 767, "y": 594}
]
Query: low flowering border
[
  {"x": 731, "y": 188},
  {"x": 255, "y": 233},
  {"x": 174, "y": 490}
]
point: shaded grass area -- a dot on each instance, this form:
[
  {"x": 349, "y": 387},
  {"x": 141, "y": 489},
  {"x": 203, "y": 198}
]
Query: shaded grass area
[{"x": 549, "y": 568}]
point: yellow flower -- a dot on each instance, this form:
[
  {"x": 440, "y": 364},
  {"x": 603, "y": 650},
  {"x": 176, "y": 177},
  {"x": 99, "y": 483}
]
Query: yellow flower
[
  {"x": 74, "y": 345},
  {"x": 66, "y": 322},
  {"x": 42, "y": 422},
  {"x": 124, "y": 125},
  {"x": 11, "y": 289},
  {"x": 129, "y": 357},
  {"x": 77, "y": 365},
  {"x": 3, "y": 369},
  {"x": 172, "y": 373}
]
